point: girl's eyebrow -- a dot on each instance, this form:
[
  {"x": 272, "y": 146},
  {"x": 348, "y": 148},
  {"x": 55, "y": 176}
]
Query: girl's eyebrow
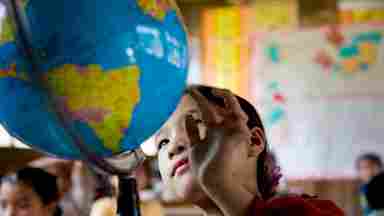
[{"x": 192, "y": 111}]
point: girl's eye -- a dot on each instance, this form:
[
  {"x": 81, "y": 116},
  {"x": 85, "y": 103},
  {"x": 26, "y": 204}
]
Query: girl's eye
[
  {"x": 198, "y": 121},
  {"x": 162, "y": 143},
  {"x": 196, "y": 118}
]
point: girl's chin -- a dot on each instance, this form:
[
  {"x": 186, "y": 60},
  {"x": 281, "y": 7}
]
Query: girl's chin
[{"x": 187, "y": 188}]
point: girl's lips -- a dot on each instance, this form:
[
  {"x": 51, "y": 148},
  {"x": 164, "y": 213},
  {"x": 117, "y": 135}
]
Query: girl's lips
[
  {"x": 181, "y": 170},
  {"x": 180, "y": 167}
]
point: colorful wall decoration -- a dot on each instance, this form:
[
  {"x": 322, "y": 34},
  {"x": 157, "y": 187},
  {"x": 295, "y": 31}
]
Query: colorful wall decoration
[
  {"x": 274, "y": 114},
  {"x": 276, "y": 102},
  {"x": 320, "y": 93},
  {"x": 349, "y": 55},
  {"x": 337, "y": 60}
]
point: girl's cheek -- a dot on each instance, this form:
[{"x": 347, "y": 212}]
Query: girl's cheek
[{"x": 27, "y": 213}]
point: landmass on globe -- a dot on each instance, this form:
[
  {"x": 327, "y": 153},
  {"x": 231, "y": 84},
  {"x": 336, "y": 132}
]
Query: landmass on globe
[
  {"x": 158, "y": 9},
  {"x": 6, "y": 33},
  {"x": 104, "y": 100},
  {"x": 9, "y": 58},
  {"x": 11, "y": 72}
]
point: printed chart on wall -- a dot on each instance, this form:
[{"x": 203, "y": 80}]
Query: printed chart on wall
[{"x": 321, "y": 95}]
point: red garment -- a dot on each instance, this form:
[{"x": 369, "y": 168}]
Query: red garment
[{"x": 295, "y": 206}]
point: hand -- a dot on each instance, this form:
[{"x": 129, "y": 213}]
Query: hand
[
  {"x": 214, "y": 156},
  {"x": 211, "y": 156}
]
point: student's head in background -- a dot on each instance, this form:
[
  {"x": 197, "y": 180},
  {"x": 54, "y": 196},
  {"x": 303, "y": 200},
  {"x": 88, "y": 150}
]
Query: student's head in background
[
  {"x": 368, "y": 165},
  {"x": 29, "y": 192}
]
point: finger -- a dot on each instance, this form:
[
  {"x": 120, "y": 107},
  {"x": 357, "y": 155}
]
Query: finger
[
  {"x": 232, "y": 105},
  {"x": 209, "y": 113},
  {"x": 193, "y": 130}
]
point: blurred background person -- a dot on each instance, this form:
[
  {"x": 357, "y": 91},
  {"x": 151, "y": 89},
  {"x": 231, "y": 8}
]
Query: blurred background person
[
  {"x": 75, "y": 182},
  {"x": 148, "y": 191},
  {"x": 375, "y": 189},
  {"x": 29, "y": 192},
  {"x": 368, "y": 166},
  {"x": 107, "y": 192}
]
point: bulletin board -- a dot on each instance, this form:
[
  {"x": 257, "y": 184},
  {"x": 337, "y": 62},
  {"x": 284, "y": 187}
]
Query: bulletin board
[{"x": 321, "y": 96}]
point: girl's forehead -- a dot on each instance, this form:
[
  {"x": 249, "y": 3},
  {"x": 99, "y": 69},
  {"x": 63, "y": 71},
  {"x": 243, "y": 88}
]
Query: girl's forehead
[
  {"x": 187, "y": 105},
  {"x": 187, "y": 102}
]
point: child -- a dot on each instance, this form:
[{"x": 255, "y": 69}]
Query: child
[
  {"x": 213, "y": 152},
  {"x": 368, "y": 165},
  {"x": 375, "y": 189},
  {"x": 29, "y": 192}
]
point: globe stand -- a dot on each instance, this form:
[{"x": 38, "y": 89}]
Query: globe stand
[
  {"x": 128, "y": 203},
  {"x": 128, "y": 200}
]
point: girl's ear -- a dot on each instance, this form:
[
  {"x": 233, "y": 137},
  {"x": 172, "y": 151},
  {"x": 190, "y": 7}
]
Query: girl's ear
[{"x": 257, "y": 142}]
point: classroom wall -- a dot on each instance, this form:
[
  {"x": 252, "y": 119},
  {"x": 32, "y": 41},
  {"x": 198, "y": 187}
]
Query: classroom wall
[{"x": 321, "y": 96}]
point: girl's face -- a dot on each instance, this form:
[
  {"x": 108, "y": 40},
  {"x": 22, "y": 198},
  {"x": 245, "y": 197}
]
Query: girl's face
[
  {"x": 20, "y": 200},
  {"x": 174, "y": 148}
]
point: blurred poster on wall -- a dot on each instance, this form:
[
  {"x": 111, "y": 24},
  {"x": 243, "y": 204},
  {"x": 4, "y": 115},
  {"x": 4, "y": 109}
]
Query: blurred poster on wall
[
  {"x": 225, "y": 47},
  {"x": 225, "y": 39},
  {"x": 321, "y": 95},
  {"x": 274, "y": 14},
  {"x": 361, "y": 11}
]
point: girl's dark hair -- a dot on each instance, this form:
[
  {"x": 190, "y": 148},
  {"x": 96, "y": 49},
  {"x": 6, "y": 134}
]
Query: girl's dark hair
[
  {"x": 268, "y": 173},
  {"x": 42, "y": 183}
]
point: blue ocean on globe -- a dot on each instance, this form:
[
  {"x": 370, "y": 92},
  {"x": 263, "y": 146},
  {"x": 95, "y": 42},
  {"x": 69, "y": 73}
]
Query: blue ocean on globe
[{"x": 107, "y": 74}]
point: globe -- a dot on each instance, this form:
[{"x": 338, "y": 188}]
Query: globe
[{"x": 107, "y": 74}]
